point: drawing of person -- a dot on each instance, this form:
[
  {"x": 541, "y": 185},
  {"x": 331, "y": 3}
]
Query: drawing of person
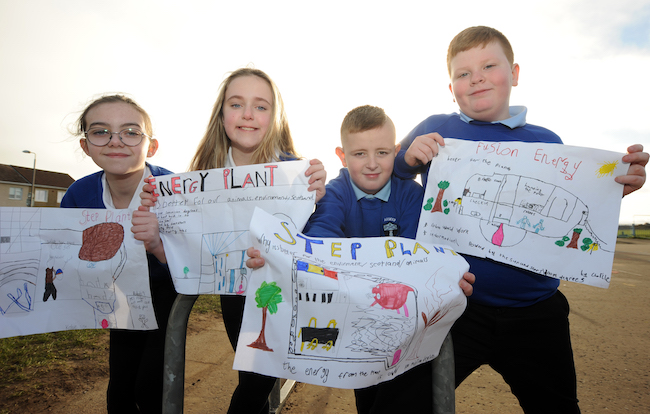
[
  {"x": 524, "y": 222},
  {"x": 50, "y": 289}
]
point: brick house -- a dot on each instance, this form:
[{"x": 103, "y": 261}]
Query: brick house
[{"x": 16, "y": 186}]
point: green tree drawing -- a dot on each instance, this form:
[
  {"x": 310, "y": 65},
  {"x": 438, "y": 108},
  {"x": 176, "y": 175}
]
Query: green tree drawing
[
  {"x": 267, "y": 297},
  {"x": 442, "y": 185}
]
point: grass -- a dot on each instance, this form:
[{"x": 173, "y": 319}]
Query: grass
[
  {"x": 38, "y": 353},
  {"x": 207, "y": 304}
]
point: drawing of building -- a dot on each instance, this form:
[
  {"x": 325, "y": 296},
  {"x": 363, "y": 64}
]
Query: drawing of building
[
  {"x": 222, "y": 263},
  {"x": 510, "y": 205}
]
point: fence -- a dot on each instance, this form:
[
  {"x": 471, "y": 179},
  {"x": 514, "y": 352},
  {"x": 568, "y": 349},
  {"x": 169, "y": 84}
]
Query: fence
[
  {"x": 174, "y": 371},
  {"x": 633, "y": 232}
]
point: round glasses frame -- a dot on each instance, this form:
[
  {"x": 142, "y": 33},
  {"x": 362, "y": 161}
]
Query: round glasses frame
[{"x": 101, "y": 137}]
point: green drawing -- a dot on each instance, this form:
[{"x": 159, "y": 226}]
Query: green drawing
[{"x": 267, "y": 297}]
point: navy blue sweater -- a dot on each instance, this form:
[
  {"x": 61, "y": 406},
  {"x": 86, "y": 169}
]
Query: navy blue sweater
[{"x": 340, "y": 214}]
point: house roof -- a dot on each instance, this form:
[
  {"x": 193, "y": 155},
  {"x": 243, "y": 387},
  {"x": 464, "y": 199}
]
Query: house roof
[{"x": 22, "y": 175}]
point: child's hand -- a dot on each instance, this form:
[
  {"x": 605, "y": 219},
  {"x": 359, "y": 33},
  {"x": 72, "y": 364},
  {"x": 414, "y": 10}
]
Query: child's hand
[
  {"x": 317, "y": 175},
  {"x": 145, "y": 229},
  {"x": 256, "y": 260},
  {"x": 466, "y": 283},
  {"x": 635, "y": 177},
  {"x": 423, "y": 149},
  {"x": 147, "y": 199}
]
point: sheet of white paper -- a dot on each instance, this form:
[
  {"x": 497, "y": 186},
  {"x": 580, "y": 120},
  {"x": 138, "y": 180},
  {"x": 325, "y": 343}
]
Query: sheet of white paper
[
  {"x": 63, "y": 269},
  {"x": 548, "y": 208},
  {"x": 345, "y": 313},
  {"x": 204, "y": 218}
]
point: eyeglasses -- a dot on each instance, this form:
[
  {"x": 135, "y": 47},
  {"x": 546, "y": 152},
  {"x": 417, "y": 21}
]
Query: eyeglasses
[{"x": 100, "y": 137}]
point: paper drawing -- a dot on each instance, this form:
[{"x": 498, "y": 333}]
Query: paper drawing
[
  {"x": 353, "y": 313},
  {"x": 72, "y": 259},
  {"x": 204, "y": 218},
  {"x": 552, "y": 209}
]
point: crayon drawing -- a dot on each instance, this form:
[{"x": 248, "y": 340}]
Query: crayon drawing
[
  {"x": 222, "y": 263},
  {"x": 519, "y": 203},
  {"x": 353, "y": 313},
  {"x": 204, "y": 218},
  {"x": 61, "y": 269}
]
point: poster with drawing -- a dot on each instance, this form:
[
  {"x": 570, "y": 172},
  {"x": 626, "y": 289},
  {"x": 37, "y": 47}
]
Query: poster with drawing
[
  {"x": 63, "y": 269},
  {"x": 204, "y": 218},
  {"x": 548, "y": 208},
  {"x": 345, "y": 313}
]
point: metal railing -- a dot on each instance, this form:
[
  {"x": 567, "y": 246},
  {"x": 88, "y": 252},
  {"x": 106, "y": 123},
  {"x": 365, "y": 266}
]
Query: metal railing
[{"x": 174, "y": 371}]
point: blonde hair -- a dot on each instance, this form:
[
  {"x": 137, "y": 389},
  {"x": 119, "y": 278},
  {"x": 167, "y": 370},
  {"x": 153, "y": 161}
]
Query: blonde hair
[
  {"x": 80, "y": 123},
  {"x": 363, "y": 118},
  {"x": 213, "y": 148},
  {"x": 478, "y": 36}
]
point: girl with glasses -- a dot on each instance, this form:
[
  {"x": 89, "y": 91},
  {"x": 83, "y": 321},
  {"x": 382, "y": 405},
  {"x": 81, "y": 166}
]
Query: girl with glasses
[{"x": 116, "y": 133}]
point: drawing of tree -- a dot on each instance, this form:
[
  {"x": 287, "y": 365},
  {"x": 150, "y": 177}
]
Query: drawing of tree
[
  {"x": 442, "y": 185},
  {"x": 436, "y": 309},
  {"x": 267, "y": 297},
  {"x": 573, "y": 244}
]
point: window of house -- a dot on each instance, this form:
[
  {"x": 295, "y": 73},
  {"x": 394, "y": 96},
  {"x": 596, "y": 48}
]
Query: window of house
[
  {"x": 15, "y": 193},
  {"x": 41, "y": 196},
  {"x": 59, "y": 196}
]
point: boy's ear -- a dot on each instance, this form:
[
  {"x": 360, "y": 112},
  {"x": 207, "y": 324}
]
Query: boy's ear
[
  {"x": 515, "y": 74},
  {"x": 397, "y": 148},
  {"x": 341, "y": 154},
  {"x": 153, "y": 147},
  {"x": 453, "y": 97},
  {"x": 84, "y": 145}
]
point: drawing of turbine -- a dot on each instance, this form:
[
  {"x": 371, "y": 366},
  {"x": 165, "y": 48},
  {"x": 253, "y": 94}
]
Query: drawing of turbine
[{"x": 102, "y": 259}]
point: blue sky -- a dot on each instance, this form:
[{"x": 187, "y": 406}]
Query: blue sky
[{"x": 582, "y": 68}]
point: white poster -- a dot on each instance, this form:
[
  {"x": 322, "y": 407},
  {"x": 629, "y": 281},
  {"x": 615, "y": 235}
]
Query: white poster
[
  {"x": 345, "y": 313},
  {"x": 548, "y": 208},
  {"x": 204, "y": 218},
  {"x": 63, "y": 269}
]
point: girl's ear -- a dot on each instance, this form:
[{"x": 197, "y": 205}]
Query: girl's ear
[
  {"x": 153, "y": 147},
  {"x": 341, "y": 154},
  {"x": 84, "y": 145}
]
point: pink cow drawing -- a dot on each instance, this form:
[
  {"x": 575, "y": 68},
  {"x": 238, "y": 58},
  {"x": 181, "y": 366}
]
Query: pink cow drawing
[{"x": 392, "y": 296}]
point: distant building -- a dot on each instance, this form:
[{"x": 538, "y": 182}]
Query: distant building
[{"x": 16, "y": 187}]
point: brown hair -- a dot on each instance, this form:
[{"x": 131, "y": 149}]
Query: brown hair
[
  {"x": 478, "y": 36},
  {"x": 80, "y": 123},
  {"x": 363, "y": 118},
  {"x": 213, "y": 148}
]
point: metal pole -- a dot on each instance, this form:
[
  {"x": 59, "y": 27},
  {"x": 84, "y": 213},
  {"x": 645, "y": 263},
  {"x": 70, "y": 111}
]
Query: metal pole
[
  {"x": 33, "y": 177},
  {"x": 174, "y": 370},
  {"x": 444, "y": 379}
]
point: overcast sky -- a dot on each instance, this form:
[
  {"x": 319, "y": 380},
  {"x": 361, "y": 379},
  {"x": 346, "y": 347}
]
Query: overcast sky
[{"x": 584, "y": 68}]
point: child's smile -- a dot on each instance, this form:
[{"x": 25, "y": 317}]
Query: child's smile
[{"x": 247, "y": 111}]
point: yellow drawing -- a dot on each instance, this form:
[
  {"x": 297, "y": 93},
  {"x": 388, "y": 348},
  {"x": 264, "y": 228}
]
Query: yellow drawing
[{"x": 607, "y": 169}]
